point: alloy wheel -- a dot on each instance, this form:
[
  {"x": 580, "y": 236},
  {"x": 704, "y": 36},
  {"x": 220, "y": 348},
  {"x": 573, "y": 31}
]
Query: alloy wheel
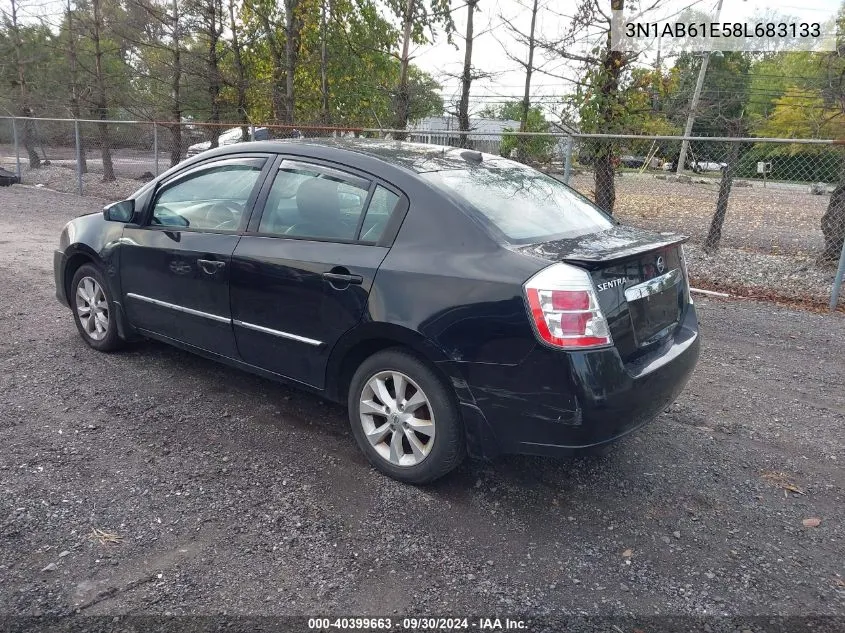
[
  {"x": 397, "y": 418},
  {"x": 92, "y": 308}
]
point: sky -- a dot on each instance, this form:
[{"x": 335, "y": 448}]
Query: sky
[{"x": 492, "y": 45}]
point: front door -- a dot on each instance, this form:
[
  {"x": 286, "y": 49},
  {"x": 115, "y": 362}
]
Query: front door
[
  {"x": 175, "y": 267},
  {"x": 302, "y": 278}
]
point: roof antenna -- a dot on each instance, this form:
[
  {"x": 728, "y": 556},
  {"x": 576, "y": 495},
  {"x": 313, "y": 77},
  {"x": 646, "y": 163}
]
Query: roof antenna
[{"x": 472, "y": 156}]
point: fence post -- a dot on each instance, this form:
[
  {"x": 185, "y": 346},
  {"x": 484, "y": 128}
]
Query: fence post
[
  {"x": 251, "y": 132},
  {"x": 155, "y": 147},
  {"x": 567, "y": 160},
  {"x": 837, "y": 282},
  {"x": 17, "y": 148},
  {"x": 78, "y": 156}
]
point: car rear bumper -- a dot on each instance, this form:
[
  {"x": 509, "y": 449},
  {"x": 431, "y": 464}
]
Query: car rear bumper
[
  {"x": 554, "y": 402},
  {"x": 59, "y": 265}
]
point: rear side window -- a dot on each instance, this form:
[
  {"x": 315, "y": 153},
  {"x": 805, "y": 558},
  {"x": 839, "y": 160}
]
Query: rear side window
[
  {"x": 311, "y": 201},
  {"x": 382, "y": 206},
  {"x": 521, "y": 204}
]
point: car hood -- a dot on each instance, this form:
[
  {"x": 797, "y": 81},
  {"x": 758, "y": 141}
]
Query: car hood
[{"x": 618, "y": 242}]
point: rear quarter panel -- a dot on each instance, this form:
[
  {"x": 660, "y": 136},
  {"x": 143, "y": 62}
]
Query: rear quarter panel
[{"x": 448, "y": 280}]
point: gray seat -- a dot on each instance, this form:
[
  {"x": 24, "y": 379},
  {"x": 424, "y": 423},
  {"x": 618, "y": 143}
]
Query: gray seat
[{"x": 318, "y": 205}]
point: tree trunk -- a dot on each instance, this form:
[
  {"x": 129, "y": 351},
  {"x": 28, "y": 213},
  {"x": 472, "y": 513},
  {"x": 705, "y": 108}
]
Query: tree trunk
[
  {"x": 714, "y": 235},
  {"x": 176, "y": 87},
  {"x": 529, "y": 71},
  {"x": 403, "y": 98},
  {"x": 293, "y": 27},
  {"x": 277, "y": 59},
  {"x": 609, "y": 89},
  {"x": 604, "y": 174},
  {"x": 23, "y": 107},
  {"x": 466, "y": 78},
  {"x": 833, "y": 221},
  {"x": 101, "y": 99},
  {"x": 240, "y": 74},
  {"x": 75, "y": 109},
  {"x": 213, "y": 68},
  {"x": 29, "y": 137},
  {"x": 325, "y": 116}
]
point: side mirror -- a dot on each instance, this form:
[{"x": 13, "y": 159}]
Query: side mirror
[{"x": 119, "y": 211}]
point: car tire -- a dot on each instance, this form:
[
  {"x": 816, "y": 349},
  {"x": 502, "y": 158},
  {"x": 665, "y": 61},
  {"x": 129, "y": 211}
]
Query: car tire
[
  {"x": 93, "y": 309},
  {"x": 415, "y": 443}
]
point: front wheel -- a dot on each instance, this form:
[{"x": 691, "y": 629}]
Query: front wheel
[
  {"x": 404, "y": 418},
  {"x": 93, "y": 309}
]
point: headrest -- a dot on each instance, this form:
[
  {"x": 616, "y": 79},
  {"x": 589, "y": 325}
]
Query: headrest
[{"x": 318, "y": 198}]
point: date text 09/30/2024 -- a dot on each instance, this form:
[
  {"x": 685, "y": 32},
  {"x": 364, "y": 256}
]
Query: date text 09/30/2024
[{"x": 416, "y": 624}]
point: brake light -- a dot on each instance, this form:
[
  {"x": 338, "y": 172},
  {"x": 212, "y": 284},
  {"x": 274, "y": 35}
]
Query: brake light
[{"x": 564, "y": 308}]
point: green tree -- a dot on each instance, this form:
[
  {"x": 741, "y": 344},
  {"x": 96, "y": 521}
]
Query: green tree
[{"x": 540, "y": 148}]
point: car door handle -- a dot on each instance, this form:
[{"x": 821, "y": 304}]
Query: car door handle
[
  {"x": 210, "y": 267},
  {"x": 343, "y": 278}
]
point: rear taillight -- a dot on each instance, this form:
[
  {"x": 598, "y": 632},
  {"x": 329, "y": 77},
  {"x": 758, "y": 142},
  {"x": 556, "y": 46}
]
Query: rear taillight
[{"x": 564, "y": 308}]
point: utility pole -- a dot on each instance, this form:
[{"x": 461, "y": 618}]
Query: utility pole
[{"x": 699, "y": 84}]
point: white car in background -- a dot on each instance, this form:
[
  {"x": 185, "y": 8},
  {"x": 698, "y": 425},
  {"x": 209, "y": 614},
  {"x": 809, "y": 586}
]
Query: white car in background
[
  {"x": 703, "y": 165},
  {"x": 230, "y": 137}
]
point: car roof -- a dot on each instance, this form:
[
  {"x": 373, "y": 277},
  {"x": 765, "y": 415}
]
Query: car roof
[{"x": 416, "y": 157}]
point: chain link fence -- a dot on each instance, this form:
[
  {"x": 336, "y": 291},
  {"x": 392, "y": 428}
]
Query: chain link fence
[{"x": 765, "y": 217}]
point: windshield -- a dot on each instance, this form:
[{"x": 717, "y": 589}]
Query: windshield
[{"x": 522, "y": 204}]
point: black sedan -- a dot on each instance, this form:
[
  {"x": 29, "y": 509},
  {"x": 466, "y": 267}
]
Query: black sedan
[{"x": 458, "y": 302}]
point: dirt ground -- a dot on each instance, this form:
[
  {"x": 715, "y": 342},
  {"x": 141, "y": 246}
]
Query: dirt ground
[
  {"x": 151, "y": 481},
  {"x": 776, "y": 219}
]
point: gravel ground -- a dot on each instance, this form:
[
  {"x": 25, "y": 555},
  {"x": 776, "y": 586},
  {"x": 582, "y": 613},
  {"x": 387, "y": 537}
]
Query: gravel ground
[
  {"x": 772, "y": 220},
  {"x": 215, "y": 491}
]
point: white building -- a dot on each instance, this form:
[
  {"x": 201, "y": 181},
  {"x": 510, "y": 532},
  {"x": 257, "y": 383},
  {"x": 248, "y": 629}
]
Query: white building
[{"x": 486, "y": 134}]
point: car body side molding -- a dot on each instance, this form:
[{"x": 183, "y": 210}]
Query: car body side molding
[
  {"x": 279, "y": 333},
  {"x": 178, "y": 308}
]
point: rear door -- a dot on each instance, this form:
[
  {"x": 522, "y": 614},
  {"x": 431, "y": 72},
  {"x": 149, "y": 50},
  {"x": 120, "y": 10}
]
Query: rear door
[
  {"x": 302, "y": 274},
  {"x": 175, "y": 265}
]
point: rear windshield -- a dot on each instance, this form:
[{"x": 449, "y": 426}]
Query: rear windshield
[{"x": 522, "y": 204}]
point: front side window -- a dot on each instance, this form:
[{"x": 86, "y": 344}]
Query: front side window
[
  {"x": 520, "y": 203},
  {"x": 212, "y": 199},
  {"x": 310, "y": 201}
]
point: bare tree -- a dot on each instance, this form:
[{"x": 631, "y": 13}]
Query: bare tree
[
  {"x": 240, "y": 70},
  {"x": 529, "y": 41},
  {"x": 415, "y": 16},
  {"x": 293, "y": 31},
  {"x": 24, "y": 107},
  {"x": 284, "y": 52},
  {"x": 714, "y": 234},
  {"x": 209, "y": 25},
  {"x": 101, "y": 102},
  {"x": 176, "y": 89},
  {"x": 75, "y": 109},
  {"x": 604, "y": 68},
  {"x": 325, "y": 18},
  {"x": 402, "y": 98},
  {"x": 467, "y": 76},
  {"x": 833, "y": 220}
]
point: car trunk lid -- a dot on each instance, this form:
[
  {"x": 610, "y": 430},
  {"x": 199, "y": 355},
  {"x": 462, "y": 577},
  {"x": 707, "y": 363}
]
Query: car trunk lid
[{"x": 639, "y": 277}]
